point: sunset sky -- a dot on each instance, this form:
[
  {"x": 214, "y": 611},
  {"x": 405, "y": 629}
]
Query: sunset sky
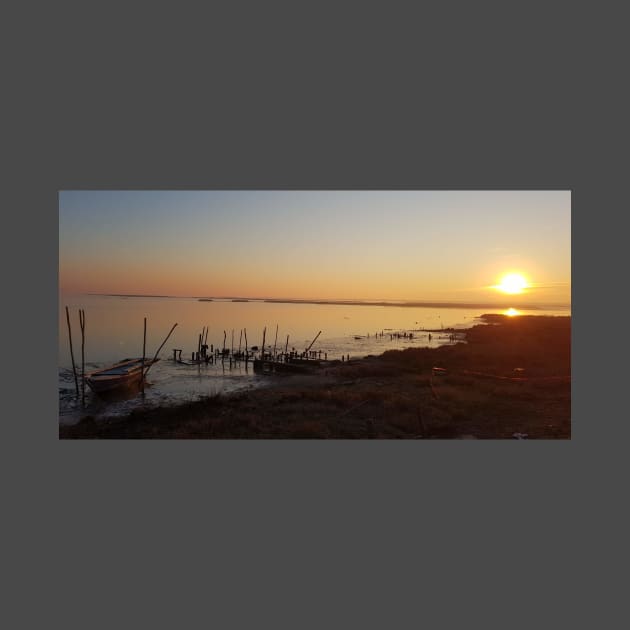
[{"x": 392, "y": 245}]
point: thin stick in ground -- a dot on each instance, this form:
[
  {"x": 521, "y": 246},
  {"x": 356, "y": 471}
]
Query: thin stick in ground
[
  {"x": 144, "y": 346},
  {"x": 82, "y": 324},
  {"x": 158, "y": 352},
  {"x": 74, "y": 370}
]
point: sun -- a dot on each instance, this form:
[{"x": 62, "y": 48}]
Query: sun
[{"x": 512, "y": 283}]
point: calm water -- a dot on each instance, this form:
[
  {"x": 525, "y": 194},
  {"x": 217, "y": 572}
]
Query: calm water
[{"x": 114, "y": 330}]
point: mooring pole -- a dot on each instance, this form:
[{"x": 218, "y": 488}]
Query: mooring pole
[
  {"x": 246, "y": 350},
  {"x": 263, "y": 344},
  {"x": 82, "y": 323},
  {"x": 240, "y": 339},
  {"x": 74, "y": 370},
  {"x": 158, "y": 352},
  {"x": 314, "y": 340},
  {"x": 275, "y": 341},
  {"x": 144, "y": 346}
]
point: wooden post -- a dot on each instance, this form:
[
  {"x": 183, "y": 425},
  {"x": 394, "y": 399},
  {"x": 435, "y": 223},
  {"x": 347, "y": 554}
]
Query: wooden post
[
  {"x": 224, "y": 336},
  {"x": 74, "y": 370},
  {"x": 286, "y": 347},
  {"x": 144, "y": 347},
  {"x": 232, "y": 351},
  {"x": 274, "y": 343},
  {"x": 314, "y": 340},
  {"x": 82, "y": 323},
  {"x": 239, "y": 342},
  {"x": 263, "y": 344},
  {"x": 246, "y": 350},
  {"x": 158, "y": 352}
]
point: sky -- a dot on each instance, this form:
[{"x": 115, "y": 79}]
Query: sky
[{"x": 350, "y": 245}]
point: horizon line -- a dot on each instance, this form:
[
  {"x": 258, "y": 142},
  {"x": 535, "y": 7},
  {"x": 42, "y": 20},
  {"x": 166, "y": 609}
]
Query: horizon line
[{"x": 348, "y": 302}]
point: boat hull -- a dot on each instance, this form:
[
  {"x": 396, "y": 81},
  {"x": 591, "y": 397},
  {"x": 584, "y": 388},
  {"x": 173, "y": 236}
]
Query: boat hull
[{"x": 123, "y": 375}]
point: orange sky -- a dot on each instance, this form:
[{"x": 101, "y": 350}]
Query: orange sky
[{"x": 413, "y": 245}]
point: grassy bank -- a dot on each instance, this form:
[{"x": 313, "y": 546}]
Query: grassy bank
[{"x": 511, "y": 377}]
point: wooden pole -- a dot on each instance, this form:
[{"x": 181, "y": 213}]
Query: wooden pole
[
  {"x": 158, "y": 352},
  {"x": 286, "y": 347},
  {"x": 232, "y": 351},
  {"x": 74, "y": 370},
  {"x": 263, "y": 345},
  {"x": 275, "y": 341},
  {"x": 246, "y": 350},
  {"x": 144, "y": 347},
  {"x": 314, "y": 340},
  {"x": 240, "y": 339},
  {"x": 82, "y": 323},
  {"x": 224, "y": 336}
]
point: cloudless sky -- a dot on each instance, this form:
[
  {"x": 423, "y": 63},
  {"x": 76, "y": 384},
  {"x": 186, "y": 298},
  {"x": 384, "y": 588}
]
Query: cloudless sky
[{"x": 424, "y": 245}]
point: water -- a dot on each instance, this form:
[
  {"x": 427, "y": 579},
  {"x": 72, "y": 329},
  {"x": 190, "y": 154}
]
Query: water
[{"x": 114, "y": 331}]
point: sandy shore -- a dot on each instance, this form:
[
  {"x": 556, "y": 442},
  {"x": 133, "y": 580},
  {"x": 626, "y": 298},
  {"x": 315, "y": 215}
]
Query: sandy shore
[{"x": 511, "y": 379}]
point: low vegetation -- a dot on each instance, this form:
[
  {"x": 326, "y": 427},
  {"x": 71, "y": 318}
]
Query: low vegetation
[{"x": 510, "y": 379}]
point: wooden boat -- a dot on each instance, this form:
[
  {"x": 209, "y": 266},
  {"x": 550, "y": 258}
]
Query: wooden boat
[{"x": 125, "y": 374}]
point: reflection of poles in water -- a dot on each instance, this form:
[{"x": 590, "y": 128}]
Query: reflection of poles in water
[{"x": 74, "y": 370}]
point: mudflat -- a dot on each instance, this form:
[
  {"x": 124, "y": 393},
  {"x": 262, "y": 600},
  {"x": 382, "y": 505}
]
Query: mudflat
[{"x": 510, "y": 379}]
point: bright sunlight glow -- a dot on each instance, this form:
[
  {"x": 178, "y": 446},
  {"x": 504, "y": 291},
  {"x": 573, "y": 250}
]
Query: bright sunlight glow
[{"x": 512, "y": 283}]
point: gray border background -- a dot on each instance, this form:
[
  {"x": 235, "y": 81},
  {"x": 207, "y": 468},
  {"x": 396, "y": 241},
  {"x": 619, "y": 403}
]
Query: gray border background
[{"x": 305, "y": 534}]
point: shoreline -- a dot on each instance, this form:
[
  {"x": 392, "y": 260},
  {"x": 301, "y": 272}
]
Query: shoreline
[
  {"x": 338, "y": 302},
  {"x": 510, "y": 378}
]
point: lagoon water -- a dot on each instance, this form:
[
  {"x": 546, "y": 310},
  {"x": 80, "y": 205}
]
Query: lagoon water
[{"x": 114, "y": 331}]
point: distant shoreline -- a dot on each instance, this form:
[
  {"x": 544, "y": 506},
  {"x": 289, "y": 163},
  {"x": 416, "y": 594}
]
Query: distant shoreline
[
  {"x": 400, "y": 303},
  {"x": 405, "y": 304}
]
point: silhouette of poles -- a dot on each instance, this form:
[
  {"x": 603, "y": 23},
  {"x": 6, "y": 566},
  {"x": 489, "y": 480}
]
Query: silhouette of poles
[
  {"x": 82, "y": 324},
  {"x": 158, "y": 352},
  {"x": 144, "y": 346},
  {"x": 74, "y": 370}
]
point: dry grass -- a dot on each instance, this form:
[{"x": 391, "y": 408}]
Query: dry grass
[{"x": 389, "y": 397}]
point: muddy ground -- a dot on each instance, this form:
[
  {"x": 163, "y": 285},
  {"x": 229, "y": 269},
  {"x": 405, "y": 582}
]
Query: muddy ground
[{"x": 510, "y": 379}]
